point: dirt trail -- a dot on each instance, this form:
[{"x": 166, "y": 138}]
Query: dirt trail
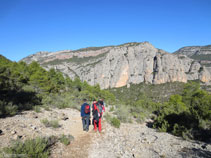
[
  {"x": 80, "y": 147},
  {"x": 29, "y": 124}
]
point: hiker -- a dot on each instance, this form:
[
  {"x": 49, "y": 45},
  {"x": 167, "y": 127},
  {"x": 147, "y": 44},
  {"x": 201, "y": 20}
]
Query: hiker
[
  {"x": 85, "y": 115},
  {"x": 96, "y": 112},
  {"x": 102, "y": 104}
]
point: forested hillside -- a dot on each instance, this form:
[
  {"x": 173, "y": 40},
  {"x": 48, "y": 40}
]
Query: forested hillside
[{"x": 24, "y": 87}]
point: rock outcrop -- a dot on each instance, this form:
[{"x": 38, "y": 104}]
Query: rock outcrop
[{"x": 117, "y": 66}]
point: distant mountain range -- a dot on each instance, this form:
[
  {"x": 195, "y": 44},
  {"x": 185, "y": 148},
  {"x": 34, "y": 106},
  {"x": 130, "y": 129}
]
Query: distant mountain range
[
  {"x": 199, "y": 53},
  {"x": 130, "y": 63}
]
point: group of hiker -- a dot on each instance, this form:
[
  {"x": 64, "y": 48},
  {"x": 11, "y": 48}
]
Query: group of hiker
[{"x": 97, "y": 109}]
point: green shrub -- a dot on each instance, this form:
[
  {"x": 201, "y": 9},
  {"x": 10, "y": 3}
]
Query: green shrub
[
  {"x": 163, "y": 126},
  {"x": 61, "y": 101},
  {"x": 200, "y": 105},
  {"x": 112, "y": 120},
  {"x": 115, "y": 122},
  {"x": 177, "y": 106},
  {"x": 28, "y": 88},
  {"x": 11, "y": 109},
  {"x": 143, "y": 108},
  {"x": 33, "y": 148},
  {"x": 56, "y": 100},
  {"x": 111, "y": 109},
  {"x": 52, "y": 123},
  {"x": 123, "y": 113},
  {"x": 187, "y": 115},
  {"x": 141, "y": 117},
  {"x": 37, "y": 109},
  {"x": 47, "y": 108},
  {"x": 66, "y": 139},
  {"x": 87, "y": 94},
  {"x": 204, "y": 124},
  {"x": 45, "y": 122}
]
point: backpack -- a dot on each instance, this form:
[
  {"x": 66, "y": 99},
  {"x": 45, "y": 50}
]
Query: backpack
[
  {"x": 96, "y": 115},
  {"x": 100, "y": 107},
  {"x": 97, "y": 111},
  {"x": 87, "y": 109}
]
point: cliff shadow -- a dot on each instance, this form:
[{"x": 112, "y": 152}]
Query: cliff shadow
[
  {"x": 149, "y": 124},
  {"x": 193, "y": 152},
  {"x": 14, "y": 101}
]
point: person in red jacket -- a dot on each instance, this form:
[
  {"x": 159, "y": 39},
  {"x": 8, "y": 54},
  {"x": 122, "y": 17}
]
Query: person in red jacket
[{"x": 97, "y": 114}]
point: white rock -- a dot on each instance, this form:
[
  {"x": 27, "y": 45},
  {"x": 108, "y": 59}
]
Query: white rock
[{"x": 13, "y": 132}]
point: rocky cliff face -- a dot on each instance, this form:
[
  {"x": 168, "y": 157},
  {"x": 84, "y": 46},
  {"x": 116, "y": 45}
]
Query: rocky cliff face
[{"x": 117, "y": 66}]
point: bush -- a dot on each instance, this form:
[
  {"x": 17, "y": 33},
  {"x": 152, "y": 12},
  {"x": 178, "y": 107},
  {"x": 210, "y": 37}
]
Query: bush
[
  {"x": 87, "y": 94},
  {"x": 112, "y": 120},
  {"x": 111, "y": 109},
  {"x": 56, "y": 100},
  {"x": 143, "y": 108},
  {"x": 37, "y": 109},
  {"x": 33, "y": 148},
  {"x": 115, "y": 122},
  {"x": 52, "y": 123},
  {"x": 11, "y": 109},
  {"x": 66, "y": 139},
  {"x": 140, "y": 117},
  {"x": 187, "y": 115},
  {"x": 123, "y": 113},
  {"x": 47, "y": 108},
  {"x": 61, "y": 101}
]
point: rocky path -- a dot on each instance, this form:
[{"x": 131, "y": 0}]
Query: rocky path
[
  {"x": 130, "y": 141},
  {"x": 140, "y": 141}
]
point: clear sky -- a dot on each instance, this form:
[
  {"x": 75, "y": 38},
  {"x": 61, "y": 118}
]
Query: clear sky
[{"x": 29, "y": 26}]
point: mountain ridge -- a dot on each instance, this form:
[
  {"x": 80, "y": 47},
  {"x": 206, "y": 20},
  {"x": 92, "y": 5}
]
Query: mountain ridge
[
  {"x": 129, "y": 63},
  {"x": 199, "y": 53}
]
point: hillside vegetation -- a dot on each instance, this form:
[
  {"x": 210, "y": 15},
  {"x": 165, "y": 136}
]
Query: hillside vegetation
[
  {"x": 76, "y": 60},
  {"x": 24, "y": 87},
  {"x": 157, "y": 93},
  {"x": 178, "y": 108},
  {"x": 187, "y": 115}
]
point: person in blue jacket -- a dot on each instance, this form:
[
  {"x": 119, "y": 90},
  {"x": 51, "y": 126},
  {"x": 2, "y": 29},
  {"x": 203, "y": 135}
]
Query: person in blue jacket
[{"x": 85, "y": 115}]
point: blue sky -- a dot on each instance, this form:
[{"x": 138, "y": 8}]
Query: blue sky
[{"x": 29, "y": 26}]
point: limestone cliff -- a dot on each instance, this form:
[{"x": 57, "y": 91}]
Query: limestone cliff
[{"x": 117, "y": 66}]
